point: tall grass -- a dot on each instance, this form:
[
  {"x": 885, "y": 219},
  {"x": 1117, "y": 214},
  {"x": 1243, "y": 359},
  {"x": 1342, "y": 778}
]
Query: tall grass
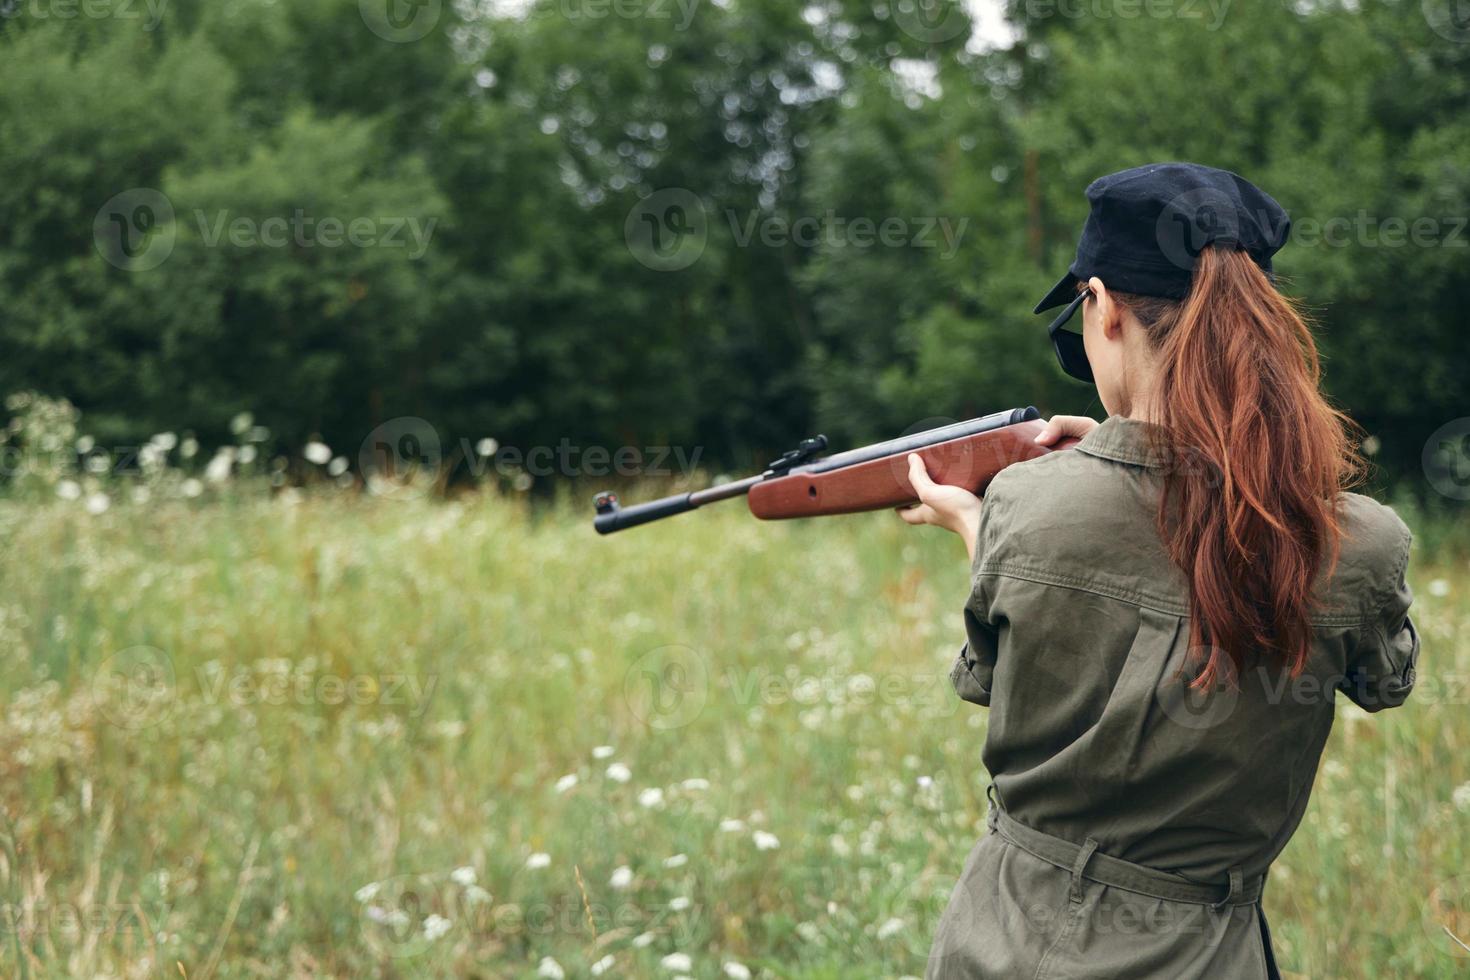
[{"x": 340, "y": 735}]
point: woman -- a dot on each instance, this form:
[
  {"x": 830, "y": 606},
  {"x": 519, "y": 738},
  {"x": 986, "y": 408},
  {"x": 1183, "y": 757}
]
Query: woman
[{"x": 1162, "y": 616}]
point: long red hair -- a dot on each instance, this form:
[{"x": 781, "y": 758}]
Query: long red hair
[{"x": 1249, "y": 509}]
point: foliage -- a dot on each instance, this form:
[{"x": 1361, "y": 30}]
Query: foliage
[{"x": 520, "y": 145}]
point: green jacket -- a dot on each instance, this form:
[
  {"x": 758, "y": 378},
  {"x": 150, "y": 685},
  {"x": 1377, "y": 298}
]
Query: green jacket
[{"x": 1078, "y": 642}]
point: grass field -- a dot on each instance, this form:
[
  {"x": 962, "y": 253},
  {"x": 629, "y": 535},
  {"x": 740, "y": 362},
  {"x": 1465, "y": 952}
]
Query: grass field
[{"x": 341, "y": 735}]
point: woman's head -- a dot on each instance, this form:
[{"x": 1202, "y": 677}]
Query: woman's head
[{"x": 1230, "y": 374}]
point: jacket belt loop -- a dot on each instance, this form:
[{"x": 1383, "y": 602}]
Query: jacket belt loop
[
  {"x": 1237, "y": 879},
  {"x": 1079, "y": 866}
]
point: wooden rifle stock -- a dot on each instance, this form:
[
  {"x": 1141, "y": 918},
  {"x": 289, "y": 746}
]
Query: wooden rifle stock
[
  {"x": 969, "y": 461},
  {"x": 966, "y": 454}
]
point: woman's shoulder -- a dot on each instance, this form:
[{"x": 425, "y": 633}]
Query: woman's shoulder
[
  {"x": 1373, "y": 524},
  {"x": 1077, "y": 515},
  {"x": 1073, "y": 480},
  {"x": 1372, "y": 555}
]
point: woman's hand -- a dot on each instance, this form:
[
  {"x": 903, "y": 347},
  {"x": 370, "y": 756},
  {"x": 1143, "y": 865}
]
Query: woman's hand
[
  {"x": 1064, "y": 426},
  {"x": 953, "y": 508}
]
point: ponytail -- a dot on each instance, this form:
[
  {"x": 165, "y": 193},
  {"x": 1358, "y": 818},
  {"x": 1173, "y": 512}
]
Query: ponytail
[{"x": 1252, "y": 526}]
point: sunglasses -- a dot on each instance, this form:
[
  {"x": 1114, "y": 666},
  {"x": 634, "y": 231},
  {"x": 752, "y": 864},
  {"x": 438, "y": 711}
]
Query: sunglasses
[{"x": 1071, "y": 352}]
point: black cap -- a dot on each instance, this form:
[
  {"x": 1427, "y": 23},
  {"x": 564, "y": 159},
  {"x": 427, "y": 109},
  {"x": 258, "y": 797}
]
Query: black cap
[{"x": 1149, "y": 224}]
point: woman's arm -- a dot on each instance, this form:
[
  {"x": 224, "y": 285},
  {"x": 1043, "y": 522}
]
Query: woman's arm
[
  {"x": 952, "y": 508},
  {"x": 957, "y": 509}
]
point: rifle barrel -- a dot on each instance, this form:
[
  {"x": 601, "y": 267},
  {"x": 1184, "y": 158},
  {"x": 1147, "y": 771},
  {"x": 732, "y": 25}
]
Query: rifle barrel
[{"x": 613, "y": 517}]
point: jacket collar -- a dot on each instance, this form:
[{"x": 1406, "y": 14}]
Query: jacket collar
[{"x": 1126, "y": 441}]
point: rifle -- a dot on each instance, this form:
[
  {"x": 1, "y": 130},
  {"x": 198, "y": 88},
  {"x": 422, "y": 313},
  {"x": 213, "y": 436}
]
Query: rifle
[{"x": 799, "y": 484}]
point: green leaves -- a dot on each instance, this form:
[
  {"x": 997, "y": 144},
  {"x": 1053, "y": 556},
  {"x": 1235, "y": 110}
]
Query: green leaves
[{"x": 309, "y": 212}]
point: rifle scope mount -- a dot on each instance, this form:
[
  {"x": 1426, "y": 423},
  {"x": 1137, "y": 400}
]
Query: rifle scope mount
[{"x": 805, "y": 452}]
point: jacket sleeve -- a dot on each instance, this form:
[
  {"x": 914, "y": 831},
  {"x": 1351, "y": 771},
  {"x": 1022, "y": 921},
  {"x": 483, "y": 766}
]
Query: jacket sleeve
[
  {"x": 1380, "y": 673},
  {"x": 974, "y": 669}
]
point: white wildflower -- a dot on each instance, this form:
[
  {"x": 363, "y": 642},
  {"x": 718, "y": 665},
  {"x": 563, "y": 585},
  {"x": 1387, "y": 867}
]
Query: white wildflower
[
  {"x": 218, "y": 469},
  {"x": 86, "y": 444},
  {"x": 189, "y": 447},
  {"x": 732, "y": 825},
  {"x": 1461, "y": 797},
  {"x": 397, "y": 918},
  {"x": 651, "y": 797},
  {"x": 602, "y": 752},
  {"x": 621, "y": 878},
  {"x": 191, "y": 487},
  {"x": 247, "y": 455},
  {"x": 679, "y": 962},
  {"x": 604, "y": 964},
  {"x": 68, "y": 490},
  {"x": 890, "y": 929},
  {"x": 643, "y": 939},
  {"x": 317, "y": 452},
  {"x": 566, "y": 782},
  {"x": 337, "y": 466},
  {"x": 98, "y": 502},
  {"x": 165, "y": 440},
  {"x": 476, "y": 895},
  {"x": 1439, "y": 588},
  {"x": 538, "y": 860},
  {"x": 766, "y": 841},
  {"x": 435, "y": 926},
  {"x": 679, "y": 903},
  {"x": 550, "y": 969},
  {"x": 676, "y": 861},
  {"x": 463, "y": 876},
  {"x": 367, "y": 892},
  {"x": 141, "y": 495},
  {"x": 737, "y": 971},
  {"x": 619, "y": 773},
  {"x": 241, "y": 423},
  {"x": 486, "y": 446},
  {"x": 695, "y": 785}
]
